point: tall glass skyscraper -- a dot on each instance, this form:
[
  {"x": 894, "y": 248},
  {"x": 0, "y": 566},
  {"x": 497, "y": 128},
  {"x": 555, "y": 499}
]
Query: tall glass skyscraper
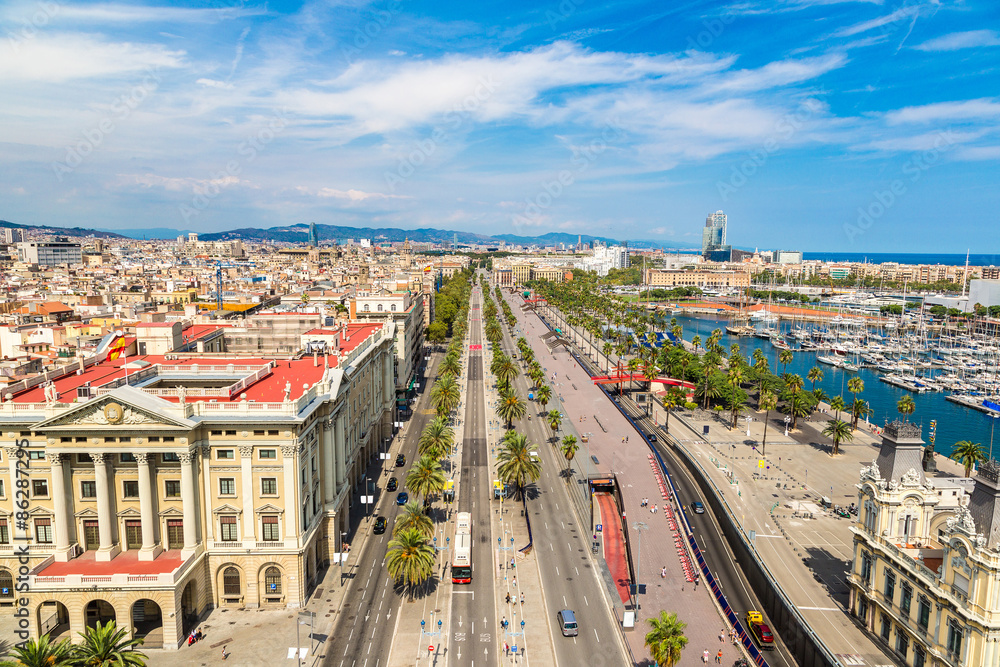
[{"x": 713, "y": 238}]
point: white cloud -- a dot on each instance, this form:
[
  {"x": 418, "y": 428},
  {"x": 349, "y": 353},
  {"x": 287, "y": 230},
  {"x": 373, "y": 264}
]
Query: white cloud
[
  {"x": 961, "y": 40},
  {"x": 981, "y": 109},
  {"x": 902, "y": 14},
  {"x": 118, "y": 13},
  {"x": 54, "y": 58},
  {"x": 354, "y": 195},
  {"x": 977, "y": 153},
  {"x": 779, "y": 73},
  {"x": 213, "y": 83}
]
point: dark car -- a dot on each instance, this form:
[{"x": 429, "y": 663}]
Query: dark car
[
  {"x": 400, "y": 461},
  {"x": 393, "y": 483},
  {"x": 402, "y": 497},
  {"x": 698, "y": 507},
  {"x": 380, "y": 523},
  {"x": 652, "y": 437}
]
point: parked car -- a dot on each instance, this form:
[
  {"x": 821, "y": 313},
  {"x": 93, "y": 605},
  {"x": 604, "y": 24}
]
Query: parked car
[
  {"x": 392, "y": 485},
  {"x": 698, "y": 507},
  {"x": 402, "y": 497},
  {"x": 400, "y": 461},
  {"x": 379, "y": 527}
]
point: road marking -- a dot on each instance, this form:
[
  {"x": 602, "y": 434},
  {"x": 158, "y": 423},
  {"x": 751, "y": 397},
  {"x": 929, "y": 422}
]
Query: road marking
[
  {"x": 585, "y": 601},
  {"x": 557, "y": 570},
  {"x": 820, "y": 608},
  {"x": 598, "y": 636}
]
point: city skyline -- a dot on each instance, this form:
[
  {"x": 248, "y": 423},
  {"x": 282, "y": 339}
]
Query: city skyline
[{"x": 870, "y": 128}]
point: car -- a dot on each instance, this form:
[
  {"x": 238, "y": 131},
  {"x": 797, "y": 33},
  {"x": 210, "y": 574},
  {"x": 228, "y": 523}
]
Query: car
[
  {"x": 380, "y": 524},
  {"x": 652, "y": 437},
  {"x": 402, "y": 497},
  {"x": 400, "y": 461},
  {"x": 393, "y": 483},
  {"x": 698, "y": 507}
]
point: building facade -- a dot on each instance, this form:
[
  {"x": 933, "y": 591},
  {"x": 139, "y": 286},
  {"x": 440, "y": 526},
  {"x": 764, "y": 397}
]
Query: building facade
[
  {"x": 925, "y": 578},
  {"x": 661, "y": 278},
  {"x": 49, "y": 253},
  {"x": 191, "y": 484}
]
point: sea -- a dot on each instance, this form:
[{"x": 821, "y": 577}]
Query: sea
[
  {"x": 947, "y": 259},
  {"x": 954, "y": 422}
]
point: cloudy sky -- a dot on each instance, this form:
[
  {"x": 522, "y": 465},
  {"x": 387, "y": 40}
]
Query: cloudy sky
[{"x": 814, "y": 124}]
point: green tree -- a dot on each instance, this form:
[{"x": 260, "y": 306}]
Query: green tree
[
  {"x": 838, "y": 431},
  {"x": 969, "y": 454},
  {"x": 410, "y": 559},
  {"x": 426, "y": 478},
  {"x": 40, "y": 652},
  {"x": 515, "y": 465},
  {"x": 544, "y": 395},
  {"x": 855, "y": 385},
  {"x": 675, "y": 398},
  {"x": 450, "y": 366},
  {"x": 437, "y": 332},
  {"x": 510, "y": 407},
  {"x": 554, "y": 420},
  {"x": 837, "y": 404},
  {"x": 768, "y": 401},
  {"x": 815, "y": 375},
  {"x": 736, "y": 401},
  {"x": 666, "y": 639},
  {"x": 799, "y": 406},
  {"x": 784, "y": 358},
  {"x": 445, "y": 395},
  {"x": 569, "y": 448},
  {"x": 109, "y": 646},
  {"x": 413, "y": 517},
  {"x": 859, "y": 408},
  {"x": 437, "y": 439},
  {"x": 906, "y": 406}
]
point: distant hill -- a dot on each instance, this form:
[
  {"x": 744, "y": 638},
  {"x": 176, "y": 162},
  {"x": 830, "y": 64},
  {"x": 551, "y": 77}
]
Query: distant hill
[
  {"x": 299, "y": 233},
  {"x": 161, "y": 233},
  {"x": 553, "y": 237},
  {"x": 63, "y": 231}
]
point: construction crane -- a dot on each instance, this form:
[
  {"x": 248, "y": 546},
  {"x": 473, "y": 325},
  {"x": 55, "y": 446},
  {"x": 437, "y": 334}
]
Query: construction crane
[{"x": 218, "y": 278}]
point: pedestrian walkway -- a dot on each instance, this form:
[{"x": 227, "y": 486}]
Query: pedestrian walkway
[{"x": 614, "y": 544}]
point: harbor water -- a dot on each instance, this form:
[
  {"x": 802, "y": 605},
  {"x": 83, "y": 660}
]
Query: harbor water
[{"x": 954, "y": 422}]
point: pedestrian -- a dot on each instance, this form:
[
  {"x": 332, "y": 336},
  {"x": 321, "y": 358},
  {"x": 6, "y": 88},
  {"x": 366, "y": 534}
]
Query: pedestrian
[
  {"x": 522, "y": 598},
  {"x": 503, "y": 622},
  {"x": 512, "y": 563},
  {"x": 722, "y": 635},
  {"x": 663, "y": 572},
  {"x": 224, "y": 654},
  {"x": 704, "y": 656},
  {"x": 718, "y": 656},
  {"x": 626, "y": 438},
  {"x": 515, "y": 582},
  {"x": 508, "y": 598},
  {"x": 506, "y": 648}
]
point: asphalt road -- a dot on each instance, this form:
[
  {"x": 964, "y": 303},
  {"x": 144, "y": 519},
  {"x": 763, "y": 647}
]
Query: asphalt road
[
  {"x": 473, "y": 626},
  {"x": 363, "y": 633},
  {"x": 569, "y": 576}
]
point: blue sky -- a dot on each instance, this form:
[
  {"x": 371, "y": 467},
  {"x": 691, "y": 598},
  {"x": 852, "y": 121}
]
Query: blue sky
[{"x": 814, "y": 124}]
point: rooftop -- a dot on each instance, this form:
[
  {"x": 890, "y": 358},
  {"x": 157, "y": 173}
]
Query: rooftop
[{"x": 127, "y": 562}]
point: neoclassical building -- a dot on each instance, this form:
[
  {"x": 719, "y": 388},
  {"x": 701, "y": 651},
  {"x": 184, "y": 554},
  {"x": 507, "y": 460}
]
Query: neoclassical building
[
  {"x": 925, "y": 579},
  {"x": 161, "y": 488}
]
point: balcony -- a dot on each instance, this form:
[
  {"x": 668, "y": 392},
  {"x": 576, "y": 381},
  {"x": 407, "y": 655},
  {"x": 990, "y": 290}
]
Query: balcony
[{"x": 123, "y": 571}]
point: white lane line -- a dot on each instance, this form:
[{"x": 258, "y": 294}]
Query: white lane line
[
  {"x": 557, "y": 570},
  {"x": 597, "y": 636},
  {"x": 585, "y": 601},
  {"x": 819, "y": 608}
]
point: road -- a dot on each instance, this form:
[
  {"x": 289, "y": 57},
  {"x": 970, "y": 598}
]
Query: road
[
  {"x": 473, "y": 608},
  {"x": 568, "y": 572},
  {"x": 359, "y": 640}
]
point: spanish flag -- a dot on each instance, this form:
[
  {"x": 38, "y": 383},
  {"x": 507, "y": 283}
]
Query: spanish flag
[
  {"x": 428, "y": 269},
  {"x": 116, "y": 348}
]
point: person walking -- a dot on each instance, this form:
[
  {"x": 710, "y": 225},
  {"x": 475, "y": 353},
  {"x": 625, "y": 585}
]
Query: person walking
[
  {"x": 718, "y": 657},
  {"x": 704, "y": 656},
  {"x": 515, "y": 582},
  {"x": 508, "y": 598},
  {"x": 522, "y": 598},
  {"x": 503, "y": 622},
  {"x": 224, "y": 654}
]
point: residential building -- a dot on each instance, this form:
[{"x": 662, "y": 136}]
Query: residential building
[
  {"x": 406, "y": 311},
  {"x": 696, "y": 278},
  {"x": 49, "y": 253}
]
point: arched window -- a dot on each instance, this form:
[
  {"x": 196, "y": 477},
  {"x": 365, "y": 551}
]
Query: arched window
[
  {"x": 272, "y": 581},
  {"x": 392, "y": 308},
  {"x": 367, "y": 307},
  {"x": 231, "y": 581},
  {"x": 380, "y": 308},
  {"x": 6, "y": 584}
]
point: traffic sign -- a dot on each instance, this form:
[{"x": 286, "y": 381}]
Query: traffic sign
[
  {"x": 600, "y": 527},
  {"x": 760, "y": 464}
]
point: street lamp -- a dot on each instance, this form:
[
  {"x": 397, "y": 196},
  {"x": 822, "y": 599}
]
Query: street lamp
[
  {"x": 749, "y": 419},
  {"x": 639, "y": 527},
  {"x": 788, "y": 420}
]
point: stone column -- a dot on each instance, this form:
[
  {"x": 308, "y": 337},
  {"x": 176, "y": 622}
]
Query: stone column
[
  {"x": 249, "y": 517},
  {"x": 341, "y": 447},
  {"x": 206, "y": 461},
  {"x": 188, "y": 499},
  {"x": 62, "y": 553},
  {"x": 150, "y": 549},
  {"x": 108, "y": 549},
  {"x": 329, "y": 462},
  {"x": 293, "y": 499}
]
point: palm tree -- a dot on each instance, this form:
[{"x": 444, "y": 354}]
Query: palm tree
[
  {"x": 675, "y": 398},
  {"x": 511, "y": 407},
  {"x": 606, "y": 350},
  {"x": 450, "y": 366},
  {"x": 632, "y": 366},
  {"x": 505, "y": 371},
  {"x": 799, "y": 406},
  {"x": 696, "y": 341},
  {"x": 666, "y": 639},
  {"x": 792, "y": 381},
  {"x": 650, "y": 371},
  {"x": 569, "y": 449},
  {"x": 906, "y": 406},
  {"x": 445, "y": 395},
  {"x": 859, "y": 408},
  {"x": 426, "y": 478},
  {"x": 437, "y": 439},
  {"x": 410, "y": 559},
  {"x": 109, "y": 646},
  {"x": 839, "y": 431},
  {"x": 814, "y": 375},
  {"x": 555, "y": 420},
  {"x": 784, "y": 358},
  {"x": 837, "y": 404},
  {"x": 855, "y": 385},
  {"x": 820, "y": 394},
  {"x": 40, "y": 653},
  {"x": 736, "y": 401},
  {"x": 767, "y": 402},
  {"x": 969, "y": 454},
  {"x": 544, "y": 394},
  {"x": 515, "y": 464},
  {"x": 413, "y": 517}
]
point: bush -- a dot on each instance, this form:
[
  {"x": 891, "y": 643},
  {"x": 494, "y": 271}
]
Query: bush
[{"x": 691, "y": 405}]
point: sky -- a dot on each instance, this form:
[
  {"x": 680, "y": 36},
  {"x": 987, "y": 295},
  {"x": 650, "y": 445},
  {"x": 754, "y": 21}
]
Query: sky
[{"x": 864, "y": 126}]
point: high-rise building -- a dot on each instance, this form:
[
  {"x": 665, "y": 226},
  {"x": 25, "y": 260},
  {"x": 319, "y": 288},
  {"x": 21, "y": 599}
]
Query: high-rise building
[
  {"x": 713, "y": 238},
  {"x": 313, "y": 235}
]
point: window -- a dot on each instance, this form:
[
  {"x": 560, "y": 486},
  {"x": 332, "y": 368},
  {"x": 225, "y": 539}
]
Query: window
[
  {"x": 36, "y": 455},
  {"x": 39, "y": 488},
  {"x": 4, "y": 532},
  {"x": 269, "y": 528},
  {"x": 919, "y": 656},
  {"x": 924, "y": 612},
  {"x": 216, "y": 432},
  {"x": 84, "y": 458},
  {"x": 886, "y": 628},
  {"x": 871, "y": 515},
  {"x": 267, "y": 454},
  {"x": 393, "y": 308},
  {"x": 231, "y": 433},
  {"x": 367, "y": 308},
  {"x": 3, "y": 493},
  {"x": 272, "y": 433},
  {"x": 127, "y": 458},
  {"x": 961, "y": 585},
  {"x": 169, "y": 457},
  {"x": 380, "y": 308},
  {"x": 866, "y": 567},
  {"x": 43, "y": 531},
  {"x": 130, "y": 488},
  {"x": 231, "y": 581},
  {"x": 902, "y": 642},
  {"x": 88, "y": 489},
  {"x": 954, "y": 637},
  {"x": 228, "y": 528},
  {"x": 133, "y": 533},
  {"x": 272, "y": 581},
  {"x": 172, "y": 488},
  {"x": 227, "y": 486},
  {"x": 225, "y": 454},
  {"x": 863, "y": 610},
  {"x": 890, "y": 584},
  {"x": 905, "y": 597},
  {"x": 258, "y": 434},
  {"x": 269, "y": 486},
  {"x": 175, "y": 533}
]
